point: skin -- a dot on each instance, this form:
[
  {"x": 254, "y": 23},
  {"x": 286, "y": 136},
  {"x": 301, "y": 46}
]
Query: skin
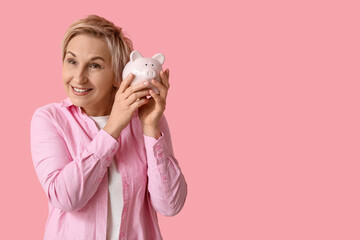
[{"x": 87, "y": 64}]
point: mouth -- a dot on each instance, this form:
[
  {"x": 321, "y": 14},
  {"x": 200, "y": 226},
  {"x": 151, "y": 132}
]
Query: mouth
[{"x": 80, "y": 91}]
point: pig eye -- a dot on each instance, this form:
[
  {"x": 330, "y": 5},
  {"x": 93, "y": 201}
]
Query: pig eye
[
  {"x": 145, "y": 64},
  {"x": 152, "y": 64}
]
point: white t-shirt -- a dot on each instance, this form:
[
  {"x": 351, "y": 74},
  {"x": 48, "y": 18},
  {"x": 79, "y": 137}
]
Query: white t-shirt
[{"x": 115, "y": 199}]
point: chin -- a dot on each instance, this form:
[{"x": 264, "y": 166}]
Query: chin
[{"x": 77, "y": 102}]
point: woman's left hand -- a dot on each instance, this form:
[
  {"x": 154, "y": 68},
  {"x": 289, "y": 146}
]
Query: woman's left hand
[{"x": 150, "y": 113}]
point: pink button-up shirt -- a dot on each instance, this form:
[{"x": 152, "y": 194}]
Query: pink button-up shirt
[{"x": 71, "y": 158}]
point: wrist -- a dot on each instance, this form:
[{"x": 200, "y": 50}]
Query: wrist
[
  {"x": 151, "y": 131},
  {"x": 113, "y": 131}
]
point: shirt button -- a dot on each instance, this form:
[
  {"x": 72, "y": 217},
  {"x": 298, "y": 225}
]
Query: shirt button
[
  {"x": 158, "y": 147},
  {"x": 163, "y": 178},
  {"x": 122, "y": 234},
  {"x": 125, "y": 209}
]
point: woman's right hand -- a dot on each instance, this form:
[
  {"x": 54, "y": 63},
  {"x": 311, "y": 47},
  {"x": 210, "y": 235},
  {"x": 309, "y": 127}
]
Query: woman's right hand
[{"x": 127, "y": 100}]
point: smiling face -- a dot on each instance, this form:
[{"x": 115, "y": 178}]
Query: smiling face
[{"x": 87, "y": 75}]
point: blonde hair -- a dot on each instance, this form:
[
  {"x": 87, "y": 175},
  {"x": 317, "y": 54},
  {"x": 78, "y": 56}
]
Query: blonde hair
[{"x": 119, "y": 45}]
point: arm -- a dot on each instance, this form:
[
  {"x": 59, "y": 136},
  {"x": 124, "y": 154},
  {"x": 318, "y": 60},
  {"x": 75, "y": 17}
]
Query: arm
[
  {"x": 166, "y": 183},
  {"x": 69, "y": 183}
]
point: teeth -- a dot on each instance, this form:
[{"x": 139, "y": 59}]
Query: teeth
[{"x": 81, "y": 90}]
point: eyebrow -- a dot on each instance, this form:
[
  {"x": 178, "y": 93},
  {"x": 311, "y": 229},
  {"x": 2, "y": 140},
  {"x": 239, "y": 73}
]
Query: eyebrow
[{"x": 93, "y": 58}]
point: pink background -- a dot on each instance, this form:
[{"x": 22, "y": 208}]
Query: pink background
[{"x": 263, "y": 108}]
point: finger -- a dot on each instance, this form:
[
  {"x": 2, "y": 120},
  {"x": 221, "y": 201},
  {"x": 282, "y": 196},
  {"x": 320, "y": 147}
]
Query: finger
[
  {"x": 158, "y": 100},
  {"x": 164, "y": 75},
  {"x": 139, "y": 103},
  {"x": 156, "y": 97},
  {"x": 126, "y": 82},
  {"x": 144, "y": 97},
  {"x": 137, "y": 95},
  {"x": 162, "y": 88},
  {"x": 135, "y": 88}
]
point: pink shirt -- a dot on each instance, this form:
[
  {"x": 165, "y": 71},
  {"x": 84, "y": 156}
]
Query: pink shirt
[{"x": 71, "y": 157}]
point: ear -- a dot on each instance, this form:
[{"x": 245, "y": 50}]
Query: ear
[
  {"x": 116, "y": 82},
  {"x": 135, "y": 55},
  {"x": 160, "y": 57}
]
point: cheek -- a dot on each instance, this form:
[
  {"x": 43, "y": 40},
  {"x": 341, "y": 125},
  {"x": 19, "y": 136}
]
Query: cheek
[
  {"x": 66, "y": 75},
  {"x": 104, "y": 86},
  {"x": 104, "y": 82}
]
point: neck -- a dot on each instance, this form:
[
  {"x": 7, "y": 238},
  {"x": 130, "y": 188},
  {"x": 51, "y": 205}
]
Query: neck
[{"x": 96, "y": 111}]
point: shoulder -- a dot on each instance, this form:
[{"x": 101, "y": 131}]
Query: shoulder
[{"x": 52, "y": 110}]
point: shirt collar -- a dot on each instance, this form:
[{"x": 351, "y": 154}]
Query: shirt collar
[{"x": 66, "y": 103}]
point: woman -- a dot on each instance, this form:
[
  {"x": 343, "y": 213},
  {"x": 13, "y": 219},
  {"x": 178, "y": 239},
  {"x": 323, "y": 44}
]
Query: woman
[{"x": 104, "y": 155}]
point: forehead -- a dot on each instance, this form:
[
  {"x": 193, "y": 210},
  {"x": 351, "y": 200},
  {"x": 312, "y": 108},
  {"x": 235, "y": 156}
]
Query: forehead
[{"x": 85, "y": 46}]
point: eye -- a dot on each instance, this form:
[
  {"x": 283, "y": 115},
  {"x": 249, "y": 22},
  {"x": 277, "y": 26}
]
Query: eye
[
  {"x": 95, "y": 65},
  {"x": 152, "y": 64},
  {"x": 71, "y": 61},
  {"x": 145, "y": 64}
]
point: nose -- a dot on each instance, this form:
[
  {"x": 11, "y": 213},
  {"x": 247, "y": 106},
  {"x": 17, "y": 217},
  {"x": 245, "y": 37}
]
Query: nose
[{"x": 80, "y": 76}]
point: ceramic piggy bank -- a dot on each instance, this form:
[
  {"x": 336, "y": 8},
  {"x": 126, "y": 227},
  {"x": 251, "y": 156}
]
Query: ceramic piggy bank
[{"x": 144, "y": 69}]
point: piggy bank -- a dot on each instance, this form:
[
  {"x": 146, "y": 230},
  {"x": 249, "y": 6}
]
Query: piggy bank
[{"x": 144, "y": 69}]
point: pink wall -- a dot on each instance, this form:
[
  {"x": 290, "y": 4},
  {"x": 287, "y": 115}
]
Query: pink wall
[{"x": 263, "y": 108}]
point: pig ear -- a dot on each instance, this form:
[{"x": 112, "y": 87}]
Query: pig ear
[
  {"x": 135, "y": 55},
  {"x": 160, "y": 57}
]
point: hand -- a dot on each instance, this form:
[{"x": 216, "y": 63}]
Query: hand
[
  {"x": 127, "y": 100},
  {"x": 150, "y": 113}
]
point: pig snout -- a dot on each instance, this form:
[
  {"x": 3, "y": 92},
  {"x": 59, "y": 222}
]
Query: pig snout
[{"x": 150, "y": 73}]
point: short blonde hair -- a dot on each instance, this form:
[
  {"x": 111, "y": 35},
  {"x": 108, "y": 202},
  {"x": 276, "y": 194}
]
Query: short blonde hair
[{"x": 119, "y": 45}]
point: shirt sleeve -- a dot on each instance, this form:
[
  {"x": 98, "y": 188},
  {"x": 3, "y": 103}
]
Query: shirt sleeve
[
  {"x": 68, "y": 182},
  {"x": 166, "y": 183}
]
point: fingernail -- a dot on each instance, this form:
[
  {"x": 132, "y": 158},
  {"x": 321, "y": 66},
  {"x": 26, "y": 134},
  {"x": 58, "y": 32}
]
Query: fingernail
[{"x": 146, "y": 83}]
